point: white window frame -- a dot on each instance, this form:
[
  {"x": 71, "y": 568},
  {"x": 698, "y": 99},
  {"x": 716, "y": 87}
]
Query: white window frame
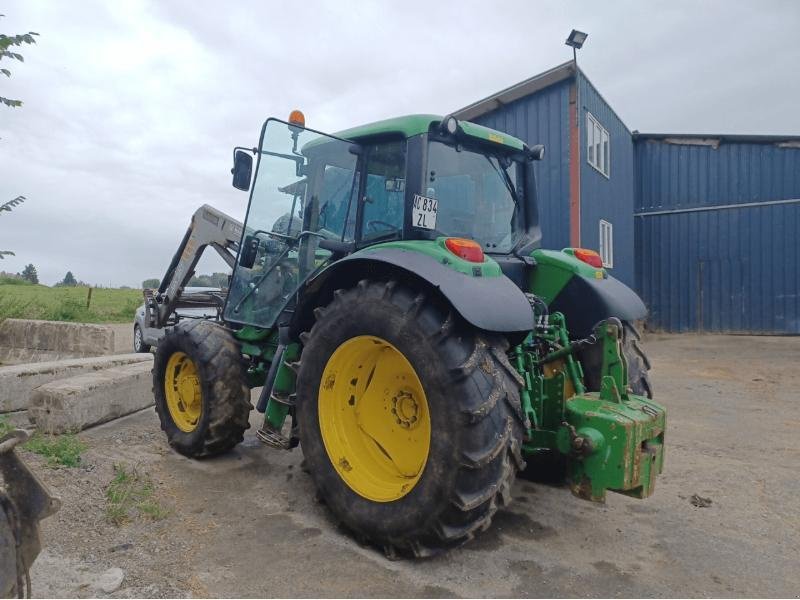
[
  {"x": 607, "y": 243},
  {"x": 598, "y": 146}
]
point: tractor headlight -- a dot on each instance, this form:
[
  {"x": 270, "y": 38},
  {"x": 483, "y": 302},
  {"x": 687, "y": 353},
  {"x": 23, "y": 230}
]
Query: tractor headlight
[{"x": 450, "y": 124}]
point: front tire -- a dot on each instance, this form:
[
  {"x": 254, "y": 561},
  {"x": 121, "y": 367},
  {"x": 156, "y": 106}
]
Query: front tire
[
  {"x": 199, "y": 389},
  {"x": 394, "y": 483}
]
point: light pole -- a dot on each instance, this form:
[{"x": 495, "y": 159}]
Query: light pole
[{"x": 576, "y": 39}]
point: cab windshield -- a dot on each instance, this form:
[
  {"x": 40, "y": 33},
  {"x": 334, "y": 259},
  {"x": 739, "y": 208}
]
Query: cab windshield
[
  {"x": 304, "y": 191},
  {"x": 476, "y": 195}
]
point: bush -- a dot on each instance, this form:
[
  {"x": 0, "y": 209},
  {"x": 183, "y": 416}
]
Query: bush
[{"x": 9, "y": 279}]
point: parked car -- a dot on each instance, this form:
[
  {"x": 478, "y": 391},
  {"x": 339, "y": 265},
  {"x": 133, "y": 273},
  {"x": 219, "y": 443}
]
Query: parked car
[{"x": 196, "y": 303}]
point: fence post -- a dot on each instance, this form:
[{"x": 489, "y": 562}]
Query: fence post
[{"x": 89, "y": 297}]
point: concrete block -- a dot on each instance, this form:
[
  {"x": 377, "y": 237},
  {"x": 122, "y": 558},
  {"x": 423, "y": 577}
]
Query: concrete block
[
  {"x": 28, "y": 340},
  {"x": 89, "y": 399},
  {"x": 17, "y": 381}
]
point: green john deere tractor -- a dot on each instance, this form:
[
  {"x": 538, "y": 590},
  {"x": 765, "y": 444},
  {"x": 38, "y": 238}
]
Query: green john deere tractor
[{"x": 390, "y": 297}]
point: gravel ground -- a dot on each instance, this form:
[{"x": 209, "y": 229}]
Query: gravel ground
[{"x": 247, "y": 524}]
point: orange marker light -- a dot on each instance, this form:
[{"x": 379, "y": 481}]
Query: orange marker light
[
  {"x": 590, "y": 257},
  {"x": 297, "y": 118},
  {"x": 466, "y": 249}
]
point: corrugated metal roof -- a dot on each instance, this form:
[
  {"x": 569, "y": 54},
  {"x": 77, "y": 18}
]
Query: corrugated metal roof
[
  {"x": 517, "y": 91},
  {"x": 711, "y": 138}
]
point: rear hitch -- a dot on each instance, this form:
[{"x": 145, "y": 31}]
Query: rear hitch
[{"x": 615, "y": 439}]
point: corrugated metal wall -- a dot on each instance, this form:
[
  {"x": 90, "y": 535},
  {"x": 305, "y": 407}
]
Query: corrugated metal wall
[
  {"x": 543, "y": 118},
  {"x": 717, "y": 243},
  {"x": 608, "y": 198}
]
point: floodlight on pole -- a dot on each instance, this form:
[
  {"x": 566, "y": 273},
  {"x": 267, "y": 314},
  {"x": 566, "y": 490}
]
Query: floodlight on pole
[{"x": 576, "y": 39}]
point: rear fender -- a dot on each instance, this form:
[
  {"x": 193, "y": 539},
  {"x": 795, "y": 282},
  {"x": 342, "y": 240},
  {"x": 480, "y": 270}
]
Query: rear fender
[
  {"x": 482, "y": 295},
  {"x": 583, "y": 294}
]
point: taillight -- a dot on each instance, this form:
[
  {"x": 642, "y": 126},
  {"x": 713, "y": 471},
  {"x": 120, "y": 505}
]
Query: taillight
[
  {"x": 590, "y": 257},
  {"x": 466, "y": 249}
]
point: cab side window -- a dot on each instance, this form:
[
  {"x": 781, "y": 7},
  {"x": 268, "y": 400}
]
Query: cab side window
[{"x": 384, "y": 193}]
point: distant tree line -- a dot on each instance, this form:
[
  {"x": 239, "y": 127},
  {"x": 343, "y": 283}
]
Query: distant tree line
[{"x": 215, "y": 280}]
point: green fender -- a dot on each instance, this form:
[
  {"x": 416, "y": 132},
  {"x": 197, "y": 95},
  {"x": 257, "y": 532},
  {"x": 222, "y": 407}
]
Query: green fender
[{"x": 584, "y": 294}]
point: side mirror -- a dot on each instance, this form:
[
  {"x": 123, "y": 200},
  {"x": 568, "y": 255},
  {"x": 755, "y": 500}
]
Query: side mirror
[
  {"x": 249, "y": 251},
  {"x": 242, "y": 170}
]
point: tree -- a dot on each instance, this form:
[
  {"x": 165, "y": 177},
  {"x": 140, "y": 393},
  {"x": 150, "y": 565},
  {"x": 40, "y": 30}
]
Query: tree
[
  {"x": 69, "y": 280},
  {"x": 29, "y": 274},
  {"x": 7, "y": 207},
  {"x": 6, "y": 42},
  {"x": 9, "y": 41},
  {"x": 150, "y": 283}
]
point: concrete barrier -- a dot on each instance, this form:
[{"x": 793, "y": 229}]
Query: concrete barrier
[
  {"x": 27, "y": 340},
  {"x": 17, "y": 381},
  {"x": 89, "y": 399}
]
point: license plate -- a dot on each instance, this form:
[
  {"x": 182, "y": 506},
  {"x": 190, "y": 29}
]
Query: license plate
[{"x": 424, "y": 212}]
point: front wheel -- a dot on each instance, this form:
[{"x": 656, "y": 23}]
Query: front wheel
[
  {"x": 410, "y": 419},
  {"x": 199, "y": 389}
]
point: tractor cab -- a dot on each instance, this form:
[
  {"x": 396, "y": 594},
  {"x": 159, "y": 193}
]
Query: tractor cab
[{"x": 316, "y": 198}]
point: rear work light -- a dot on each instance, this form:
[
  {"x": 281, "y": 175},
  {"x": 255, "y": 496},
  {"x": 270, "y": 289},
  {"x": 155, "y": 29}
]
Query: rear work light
[
  {"x": 466, "y": 249},
  {"x": 590, "y": 257}
]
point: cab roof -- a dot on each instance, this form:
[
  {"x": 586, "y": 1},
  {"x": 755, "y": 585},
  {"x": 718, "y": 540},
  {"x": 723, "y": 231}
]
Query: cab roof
[{"x": 411, "y": 125}]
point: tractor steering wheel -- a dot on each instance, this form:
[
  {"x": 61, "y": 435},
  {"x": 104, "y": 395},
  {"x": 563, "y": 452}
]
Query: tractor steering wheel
[{"x": 372, "y": 225}]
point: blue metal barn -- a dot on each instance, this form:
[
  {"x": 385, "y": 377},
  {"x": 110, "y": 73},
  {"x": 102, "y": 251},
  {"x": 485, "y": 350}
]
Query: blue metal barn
[{"x": 705, "y": 227}]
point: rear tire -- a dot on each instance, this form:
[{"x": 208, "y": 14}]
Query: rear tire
[
  {"x": 472, "y": 395},
  {"x": 210, "y": 407}
]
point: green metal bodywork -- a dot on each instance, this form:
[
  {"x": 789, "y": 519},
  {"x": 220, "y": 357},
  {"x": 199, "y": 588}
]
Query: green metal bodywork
[
  {"x": 554, "y": 269},
  {"x": 439, "y": 252}
]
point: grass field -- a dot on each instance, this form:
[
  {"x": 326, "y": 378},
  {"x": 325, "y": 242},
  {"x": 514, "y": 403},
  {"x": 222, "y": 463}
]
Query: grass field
[{"x": 68, "y": 304}]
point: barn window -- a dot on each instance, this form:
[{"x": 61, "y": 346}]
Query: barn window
[
  {"x": 607, "y": 243},
  {"x": 598, "y": 148}
]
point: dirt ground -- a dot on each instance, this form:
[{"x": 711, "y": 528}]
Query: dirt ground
[{"x": 247, "y": 524}]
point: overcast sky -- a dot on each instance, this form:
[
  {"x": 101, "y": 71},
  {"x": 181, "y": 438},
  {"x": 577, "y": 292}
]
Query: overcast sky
[{"x": 132, "y": 108}]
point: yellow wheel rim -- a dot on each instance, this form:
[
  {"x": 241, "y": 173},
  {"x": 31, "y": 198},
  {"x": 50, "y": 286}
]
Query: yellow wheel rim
[
  {"x": 182, "y": 390},
  {"x": 374, "y": 418}
]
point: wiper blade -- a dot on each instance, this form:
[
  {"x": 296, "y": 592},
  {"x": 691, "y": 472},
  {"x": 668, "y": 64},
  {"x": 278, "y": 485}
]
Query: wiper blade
[{"x": 506, "y": 179}]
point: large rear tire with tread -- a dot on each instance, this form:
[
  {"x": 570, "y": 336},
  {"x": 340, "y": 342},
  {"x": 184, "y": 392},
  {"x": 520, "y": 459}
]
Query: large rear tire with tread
[
  {"x": 199, "y": 388},
  {"x": 472, "y": 395}
]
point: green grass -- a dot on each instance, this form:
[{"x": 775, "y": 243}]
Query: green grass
[
  {"x": 60, "y": 450},
  {"x": 130, "y": 494},
  {"x": 5, "y": 427},
  {"x": 68, "y": 303},
  {"x": 11, "y": 280}
]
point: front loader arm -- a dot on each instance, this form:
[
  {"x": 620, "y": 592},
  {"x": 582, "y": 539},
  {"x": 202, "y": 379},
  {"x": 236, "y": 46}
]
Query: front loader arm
[{"x": 209, "y": 227}]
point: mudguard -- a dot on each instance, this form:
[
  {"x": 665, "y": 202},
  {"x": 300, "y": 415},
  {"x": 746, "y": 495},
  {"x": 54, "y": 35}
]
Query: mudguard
[
  {"x": 585, "y": 301},
  {"x": 485, "y": 297}
]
